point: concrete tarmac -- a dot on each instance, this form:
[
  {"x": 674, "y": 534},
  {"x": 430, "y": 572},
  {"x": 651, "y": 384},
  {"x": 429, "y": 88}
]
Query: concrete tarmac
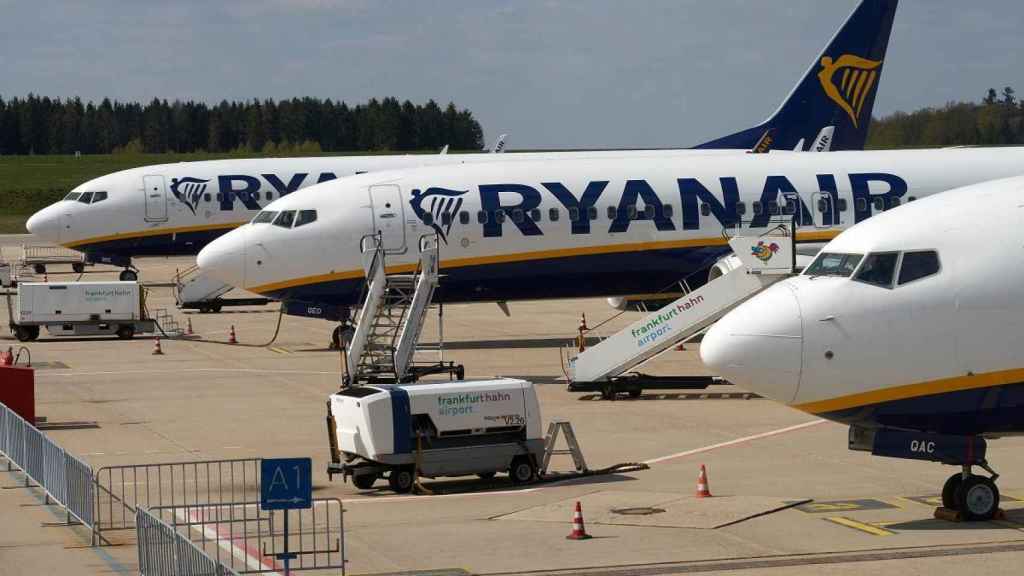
[{"x": 789, "y": 498}]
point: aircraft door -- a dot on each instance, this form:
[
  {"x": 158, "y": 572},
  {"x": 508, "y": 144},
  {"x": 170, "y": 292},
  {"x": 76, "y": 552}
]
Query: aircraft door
[
  {"x": 823, "y": 209},
  {"x": 156, "y": 198},
  {"x": 388, "y": 217}
]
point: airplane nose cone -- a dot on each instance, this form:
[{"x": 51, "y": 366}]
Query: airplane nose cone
[
  {"x": 224, "y": 258},
  {"x": 44, "y": 224},
  {"x": 758, "y": 346}
]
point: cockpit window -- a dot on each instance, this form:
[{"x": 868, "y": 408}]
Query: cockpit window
[
  {"x": 305, "y": 217},
  {"x": 99, "y": 197},
  {"x": 264, "y": 217},
  {"x": 85, "y": 198},
  {"x": 917, "y": 265},
  {"x": 72, "y": 196},
  {"x": 878, "y": 269},
  {"x": 285, "y": 219},
  {"x": 834, "y": 264}
]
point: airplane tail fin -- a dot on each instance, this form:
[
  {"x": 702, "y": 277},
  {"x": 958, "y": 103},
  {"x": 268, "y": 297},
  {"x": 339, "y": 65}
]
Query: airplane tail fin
[{"x": 838, "y": 91}]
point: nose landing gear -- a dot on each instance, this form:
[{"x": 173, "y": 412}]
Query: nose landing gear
[
  {"x": 974, "y": 497},
  {"x": 128, "y": 275}
]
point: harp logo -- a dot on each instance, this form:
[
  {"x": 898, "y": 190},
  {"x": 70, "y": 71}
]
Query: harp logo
[
  {"x": 188, "y": 191},
  {"x": 437, "y": 208},
  {"x": 848, "y": 80}
]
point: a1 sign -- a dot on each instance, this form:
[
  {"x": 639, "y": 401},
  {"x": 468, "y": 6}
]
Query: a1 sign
[{"x": 286, "y": 483}]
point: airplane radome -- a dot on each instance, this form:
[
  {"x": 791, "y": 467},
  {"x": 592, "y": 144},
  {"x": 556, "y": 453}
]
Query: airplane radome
[
  {"x": 573, "y": 228},
  {"x": 906, "y": 327}
]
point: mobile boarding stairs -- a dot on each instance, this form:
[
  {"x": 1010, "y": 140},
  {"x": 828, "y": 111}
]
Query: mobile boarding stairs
[
  {"x": 391, "y": 317},
  {"x": 765, "y": 259},
  {"x": 197, "y": 290}
]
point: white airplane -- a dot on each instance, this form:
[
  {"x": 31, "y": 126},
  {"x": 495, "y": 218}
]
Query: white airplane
[
  {"x": 176, "y": 209},
  {"x": 907, "y": 328},
  {"x": 532, "y": 229}
]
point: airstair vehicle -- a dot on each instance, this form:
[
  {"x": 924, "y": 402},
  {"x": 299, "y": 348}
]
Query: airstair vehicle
[
  {"x": 196, "y": 290},
  {"x": 391, "y": 317},
  {"x": 605, "y": 367}
]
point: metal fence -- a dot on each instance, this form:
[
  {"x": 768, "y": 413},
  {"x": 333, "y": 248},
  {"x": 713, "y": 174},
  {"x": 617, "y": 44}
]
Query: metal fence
[
  {"x": 64, "y": 478},
  {"x": 251, "y": 540},
  {"x": 165, "y": 552},
  {"x": 122, "y": 490}
]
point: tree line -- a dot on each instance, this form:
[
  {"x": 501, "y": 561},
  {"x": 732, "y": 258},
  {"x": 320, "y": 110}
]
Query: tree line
[
  {"x": 43, "y": 125},
  {"x": 997, "y": 120}
]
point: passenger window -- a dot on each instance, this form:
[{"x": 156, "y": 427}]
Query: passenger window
[
  {"x": 553, "y": 214},
  {"x": 878, "y": 269},
  {"x": 264, "y": 217},
  {"x": 705, "y": 210},
  {"x": 790, "y": 208},
  {"x": 428, "y": 218},
  {"x": 667, "y": 210},
  {"x": 206, "y": 197},
  {"x": 757, "y": 208},
  {"x": 99, "y": 197},
  {"x": 894, "y": 202},
  {"x": 85, "y": 198},
  {"x": 879, "y": 203},
  {"x": 305, "y": 217},
  {"x": 631, "y": 213},
  {"x": 481, "y": 217},
  {"x": 499, "y": 216},
  {"x": 464, "y": 217},
  {"x": 446, "y": 218},
  {"x": 917, "y": 265},
  {"x": 772, "y": 208},
  {"x": 612, "y": 212},
  {"x": 911, "y": 199},
  {"x": 842, "y": 205},
  {"x": 517, "y": 215},
  {"x": 574, "y": 214},
  {"x": 862, "y": 205},
  {"x": 535, "y": 215},
  {"x": 285, "y": 219},
  {"x": 741, "y": 208},
  {"x": 592, "y": 212},
  {"x": 270, "y": 195},
  {"x": 648, "y": 212},
  {"x": 822, "y": 205}
]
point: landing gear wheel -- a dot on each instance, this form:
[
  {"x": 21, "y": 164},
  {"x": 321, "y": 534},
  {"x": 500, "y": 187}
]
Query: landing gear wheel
[
  {"x": 24, "y": 333},
  {"x": 125, "y": 332},
  {"x": 486, "y": 475},
  {"x": 979, "y": 498},
  {"x": 401, "y": 480},
  {"x": 608, "y": 392},
  {"x": 635, "y": 392},
  {"x": 216, "y": 308},
  {"x": 364, "y": 481},
  {"x": 522, "y": 470},
  {"x": 39, "y": 269},
  {"x": 78, "y": 267},
  {"x": 128, "y": 276},
  {"x": 951, "y": 491},
  {"x": 460, "y": 375}
]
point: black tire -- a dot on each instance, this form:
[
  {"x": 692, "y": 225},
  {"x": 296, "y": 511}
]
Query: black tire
[
  {"x": 608, "y": 392},
  {"x": 487, "y": 475},
  {"x": 78, "y": 267},
  {"x": 522, "y": 470},
  {"x": 33, "y": 333},
  {"x": 951, "y": 491},
  {"x": 401, "y": 480},
  {"x": 979, "y": 498},
  {"x": 22, "y": 333},
  {"x": 216, "y": 308},
  {"x": 364, "y": 481},
  {"x": 39, "y": 269},
  {"x": 635, "y": 392},
  {"x": 125, "y": 331},
  {"x": 128, "y": 276},
  {"x": 460, "y": 374}
]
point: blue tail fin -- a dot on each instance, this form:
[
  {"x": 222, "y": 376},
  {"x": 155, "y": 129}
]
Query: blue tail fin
[{"x": 838, "y": 90}]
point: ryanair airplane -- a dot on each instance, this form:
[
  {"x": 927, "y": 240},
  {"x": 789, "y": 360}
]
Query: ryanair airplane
[
  {"x": 176, "y": 209},
  {"x": 904, "y": 329},
  {"x": 584, "y": 227}
]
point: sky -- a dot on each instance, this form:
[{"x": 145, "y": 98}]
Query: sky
[{"x": 551, "y": 73}]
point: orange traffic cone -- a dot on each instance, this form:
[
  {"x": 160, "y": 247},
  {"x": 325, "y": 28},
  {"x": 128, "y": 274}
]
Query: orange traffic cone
[
  {"x": 157, "y": 351},
  {"x": 231, "y": 336},
  {"x": 703, "y": 491},
  {"x": 680, "y": 348},
  {"x": 188, "y": 328},
  {"x": 578, "y": 531}
]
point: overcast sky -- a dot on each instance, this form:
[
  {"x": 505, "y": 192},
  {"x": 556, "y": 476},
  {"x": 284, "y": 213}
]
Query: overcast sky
[{"x": 553, "y": 74}]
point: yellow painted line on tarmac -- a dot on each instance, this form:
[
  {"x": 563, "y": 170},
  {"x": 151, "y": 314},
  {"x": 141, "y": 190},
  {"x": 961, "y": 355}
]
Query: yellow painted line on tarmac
[
  {"x": 863, "y": 527},
  {"x": 280, "y": 350}
]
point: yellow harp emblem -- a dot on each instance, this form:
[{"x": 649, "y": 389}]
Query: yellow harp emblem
[{"x": 850, "y": 88}]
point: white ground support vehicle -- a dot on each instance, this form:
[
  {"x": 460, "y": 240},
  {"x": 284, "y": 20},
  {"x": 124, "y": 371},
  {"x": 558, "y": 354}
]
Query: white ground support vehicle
[
  {"x": 441, "y": 429},
  {"x": 78, "y": 309}
]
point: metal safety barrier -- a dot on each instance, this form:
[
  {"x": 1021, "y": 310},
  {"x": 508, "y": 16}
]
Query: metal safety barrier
[
  {"x": 121, "y": 490},
  {"x": 251, "y": 540},
  {"x": 165, "y": 552},
  {"x": 64, "y": 478}
]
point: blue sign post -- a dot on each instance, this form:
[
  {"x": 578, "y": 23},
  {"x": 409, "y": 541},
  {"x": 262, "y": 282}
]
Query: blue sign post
[{"x": 286, "y": 484}]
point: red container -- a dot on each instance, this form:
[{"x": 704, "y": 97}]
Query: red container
[{"x": 18, "y": 391}]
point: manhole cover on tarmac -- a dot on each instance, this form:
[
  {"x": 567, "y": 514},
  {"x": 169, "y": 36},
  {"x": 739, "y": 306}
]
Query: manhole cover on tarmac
[{"x": 640, "y": 511}]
